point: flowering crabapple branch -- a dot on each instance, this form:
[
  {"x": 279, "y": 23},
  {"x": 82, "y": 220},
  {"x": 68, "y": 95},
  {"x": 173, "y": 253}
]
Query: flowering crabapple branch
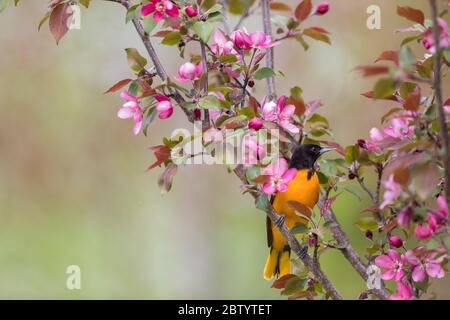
[{"x": 437, "y": 85}]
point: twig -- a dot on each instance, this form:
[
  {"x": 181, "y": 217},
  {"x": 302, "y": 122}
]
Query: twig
[
  {"x": 364, "y": 187},
  {"x": 295, "y": 245},
  {"x": 267, "y": 26},
  {"x": 226, "y": 27},
  {"x": 205, "y": 113},
  {"x": 438, "y": 91}
]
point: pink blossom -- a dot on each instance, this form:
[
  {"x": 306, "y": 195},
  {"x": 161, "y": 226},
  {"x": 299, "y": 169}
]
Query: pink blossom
[
  {"x": 322, "y": 8},
  {"x": 131, "y": 109},
  {"x": 255, "y": 123},
  {"x": 404, "y": 291},
  {"x": 189, "y": 72},
  {"x": 435, "y": 220},
  {"x": 253, "y": 151},
  {"x": 159, "y": 8},
  {"x": 395, "y": 241},
  {"x": 277, "y": 175},
  {"x": 392, "y": 192},
  {"x": 404, "y": 217},
  {"x": 393, "y": 263},
  {"x": 222, "y": 45},
  {"x": 312, "y": 106},
  {"x": 241, "y": 39},
  {"x": 399, "y": 128},
  {"x": 280, "y": 113},
  {"x": 428, "y": 38},
  {"x": 426, "y": 262},
  {"x": 191, "y": 11},
  {"x": 164, "y": 106},
  {"x": 261, "y": 40}
]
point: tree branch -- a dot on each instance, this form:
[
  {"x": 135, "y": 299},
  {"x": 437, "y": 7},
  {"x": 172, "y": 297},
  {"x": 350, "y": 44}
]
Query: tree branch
[
  {"x": 437, "y": 86},
  {"x": 205, "y": 113},
  {"x": 295, "y": 245},
  {"x": 346, "y": 247},
  {"x": 267, "y": 25}
]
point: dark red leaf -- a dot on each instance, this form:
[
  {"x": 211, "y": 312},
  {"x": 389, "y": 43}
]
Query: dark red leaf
[
  {"x": 389, "y": 56},
  {"x": 281, "y": 282},
  {"x": 411, "y": 14},
  {"x": 119, "y": 85},
  {"x": 320, "y": 30},
  {"x": 59, "y": 20},
  {"x": 162, "y": 154},
  {"x": 303, "y": 10},
  {"x": 369, "y": 94},
  {"x": 368, "y": 71}
]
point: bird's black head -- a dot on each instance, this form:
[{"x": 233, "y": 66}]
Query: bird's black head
[{"x": 305, "y": 156}]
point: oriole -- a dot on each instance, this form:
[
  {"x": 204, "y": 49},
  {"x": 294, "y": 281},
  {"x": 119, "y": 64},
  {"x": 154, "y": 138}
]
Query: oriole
[{"x": 304, "y": 188}]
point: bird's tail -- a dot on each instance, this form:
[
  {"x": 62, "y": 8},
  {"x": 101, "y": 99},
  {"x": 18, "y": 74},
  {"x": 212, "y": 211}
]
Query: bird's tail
[{"x": 278, "y": 263}]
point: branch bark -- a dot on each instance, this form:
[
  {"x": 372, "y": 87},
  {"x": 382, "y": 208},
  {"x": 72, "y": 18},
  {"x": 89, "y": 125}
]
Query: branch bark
[
  {"x": 267, "y": 26},
  {"x": 437, "y": 84}
]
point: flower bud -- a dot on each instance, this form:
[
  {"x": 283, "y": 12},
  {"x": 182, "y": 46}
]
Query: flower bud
[
  {"x": 395, "y": 241},
  {"x": 322, "y": 8},
  {"x": 368, "y": 234},
  {"x": 255, "y": 124},
  {"x": 191, "y": 11}
]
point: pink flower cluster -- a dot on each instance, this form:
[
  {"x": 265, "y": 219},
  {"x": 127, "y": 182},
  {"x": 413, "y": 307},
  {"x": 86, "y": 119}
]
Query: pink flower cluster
[
  {"x": 397, "y": 130},
  {"x": 160, "y": 9},
  {"x": 392, "y": 192},
  {"x": 254, "y": 151},
  {"x": 422, "y": 262},
  {"x": 276, "y": 112},
  {"x": 435, "y": 221},
  {"x": 444, "y": 41},
  {"x": 132, "y": 109},
  {"x": 277, "y": 176},
  {"x": 258, "y": 40}
]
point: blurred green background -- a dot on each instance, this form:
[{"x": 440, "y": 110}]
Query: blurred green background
[{"x": 73, "y": 186}]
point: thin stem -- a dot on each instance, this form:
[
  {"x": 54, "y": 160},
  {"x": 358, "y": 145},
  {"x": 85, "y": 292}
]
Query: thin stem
[
  {"x": 267, "y": 26},
  {"x": 437, "y": 84},
  {"x": 205, "y": 118}
]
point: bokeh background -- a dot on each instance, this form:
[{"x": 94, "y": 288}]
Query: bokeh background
[{"x": 73, "y": 186}]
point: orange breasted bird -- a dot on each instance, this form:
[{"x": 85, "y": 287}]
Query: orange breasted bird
[{"x": 304, "y": 188}]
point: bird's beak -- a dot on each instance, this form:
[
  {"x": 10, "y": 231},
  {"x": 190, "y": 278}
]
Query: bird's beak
[{"x": 324, "y": 150}]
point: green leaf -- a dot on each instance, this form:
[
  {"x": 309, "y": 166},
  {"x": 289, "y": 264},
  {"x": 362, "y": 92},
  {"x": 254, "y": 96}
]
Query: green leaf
[
  {"x": 384, "y": 88},
  {"x": 262, "y": 202},
  {"x": 228, "y": 58},
  {"x": 252, "y": 173},
  {"x": 352, "y": 153},
  {"x": 172, "y": 39},
  {"x": 204, "y": 30},
  {"x": 447, "y": 55},
  {"x": 330, "y": 224},
  {"x": 407, "y": 58},
  {"x": 263, "y": 73},
  {"x": 135, "y": 60},
  {"x": 299, "y": 228},
  {"x": 209, "y": 102},
  {"x": 131, "y": 13},
  {"x": 302, "y": 41},
  {"x": 149, "y": 23},
  {"x": 354, "y": 191},
  {"x": 323, "y": 179},
  {"x": 314, "y": 34},
  {"x": 367, "y": 223},
  {"x": 85, "y": 3},
  {"x": 215, "y": 8},
  {"x": 151, "y": 113}
]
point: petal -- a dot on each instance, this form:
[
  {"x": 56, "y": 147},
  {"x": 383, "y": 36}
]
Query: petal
[
  {"x": 147, "y": 9},
  {"x": 289, "y": 126},
  {"x": 289, "y": 175},
  {"x": 127, "y": 96},
  {"x": 288, "y": 111},
  {"x": 282, "y": 187},
  {"x": 388, "y": 275},
  {"x": 394, "y": 255},
  {"x": 443, "y": 205},
  {"x": 281, "y": 166},
  {"x": 131, "y": 104},
  {"x": 137, "y": 127},
  {"x": 161, "y": 97},
  {"x": 268, "y": 188},
  {"x": 158, "y": 16},
  {"x": 384, "y": 262},
  {"x": 434, "y": 270},
  {"x": 125, "y": 113},
  {"x": 418, "y": 273},
  {"x": 219, "y": 38}
]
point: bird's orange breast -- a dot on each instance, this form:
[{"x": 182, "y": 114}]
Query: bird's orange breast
[{"x": 301, "y": 189}]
